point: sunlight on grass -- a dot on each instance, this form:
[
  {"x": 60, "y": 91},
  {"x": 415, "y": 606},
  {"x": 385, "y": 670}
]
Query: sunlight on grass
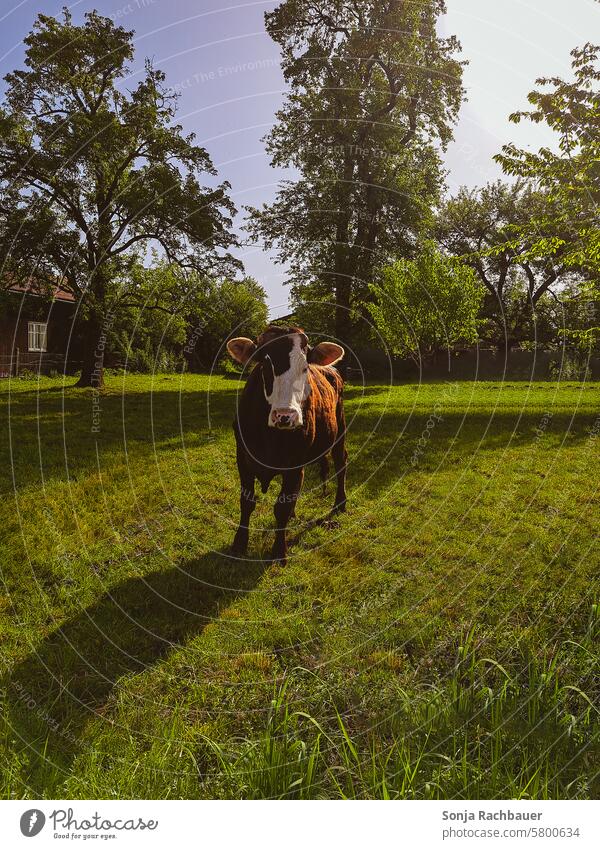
[{"x": 438, "y": 641}]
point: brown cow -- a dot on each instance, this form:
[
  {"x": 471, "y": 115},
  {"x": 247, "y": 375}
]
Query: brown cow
[{"x": 290, "y": 414}]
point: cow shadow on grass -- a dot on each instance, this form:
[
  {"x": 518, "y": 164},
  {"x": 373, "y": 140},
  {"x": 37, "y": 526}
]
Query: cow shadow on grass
[{"x": 57, "y": 689}]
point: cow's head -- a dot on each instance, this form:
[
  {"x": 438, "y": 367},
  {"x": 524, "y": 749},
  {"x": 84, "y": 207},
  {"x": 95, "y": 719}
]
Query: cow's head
[{"x": 284, "y": 356}]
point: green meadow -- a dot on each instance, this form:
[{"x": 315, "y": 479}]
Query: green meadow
[{"x": 439, "y": 640}]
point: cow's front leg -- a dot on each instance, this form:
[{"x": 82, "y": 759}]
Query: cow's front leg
[
  {"x": 247, "y": 505},
  {"x": 284, "y": 508}
]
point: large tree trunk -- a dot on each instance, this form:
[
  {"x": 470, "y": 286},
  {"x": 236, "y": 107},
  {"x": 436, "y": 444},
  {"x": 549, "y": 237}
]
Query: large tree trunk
[
  {"x": 343, "y": 297},
  {"x": 95, "y": 327},
  {"x": 343, "y": 325},
  {"x": 342, "y": 309},
  {"x": 342, "y": 271},
  {"x": 504, "y": 347},
  {"x": 94, "y": 344}
]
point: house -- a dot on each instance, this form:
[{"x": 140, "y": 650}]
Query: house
[{"x": 35, "y": 329}]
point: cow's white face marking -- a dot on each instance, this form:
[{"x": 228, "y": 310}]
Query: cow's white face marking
[
  {"x": 285, "y": 371},
  {"x": 286, "y": 391}
]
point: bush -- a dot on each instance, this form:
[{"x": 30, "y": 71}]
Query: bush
[{"x": 425, "y": 305}]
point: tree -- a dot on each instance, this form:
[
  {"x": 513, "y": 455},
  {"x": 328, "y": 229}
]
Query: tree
[
  {"x": 221, "y": 310},
  {"x": 313, "y": 307},
  {"x": 90, "y": 173},
  {"x": 427, "y": 304},
  {"x": 489, "y": 229},
  {"x": 576, "y": 321},
  {"x": 148, "y": 328},
  {"x": 571, "y": 320},
  {"x": 570, "y": 174},
  {"x": 177, "y": 315},
  {"x": 374, "y": 92}
]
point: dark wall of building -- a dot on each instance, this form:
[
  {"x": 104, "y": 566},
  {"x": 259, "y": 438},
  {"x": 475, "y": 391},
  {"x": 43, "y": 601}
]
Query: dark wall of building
[
  {"x": 16, "y": 311},
  {"x": 475, "y": 364}
]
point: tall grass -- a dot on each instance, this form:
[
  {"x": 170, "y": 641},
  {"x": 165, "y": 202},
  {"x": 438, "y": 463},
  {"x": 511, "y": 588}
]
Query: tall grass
[
  {"x": 489, "y": 733},
  {"x": 279, "y": 764}
]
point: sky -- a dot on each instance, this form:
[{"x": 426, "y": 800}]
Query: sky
[{"x": 217, "y": 54}]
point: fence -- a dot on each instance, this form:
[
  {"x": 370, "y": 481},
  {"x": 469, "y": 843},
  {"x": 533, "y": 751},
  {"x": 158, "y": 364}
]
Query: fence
[
  {"x": 23, "y": 362},
  {"x": 477, "y": 364}
]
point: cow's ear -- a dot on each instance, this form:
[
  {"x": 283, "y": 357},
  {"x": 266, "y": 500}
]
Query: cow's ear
[
  {"x": 325, "y": 354},
  {"x": 241, "y": 349}
]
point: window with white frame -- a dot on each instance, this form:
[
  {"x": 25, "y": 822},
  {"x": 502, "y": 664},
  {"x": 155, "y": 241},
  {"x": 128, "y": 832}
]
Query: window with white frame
[{"x": 38, "y": 331}]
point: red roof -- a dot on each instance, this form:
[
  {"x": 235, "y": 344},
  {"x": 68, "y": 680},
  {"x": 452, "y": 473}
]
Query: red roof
[{"x": 31, "y": 288}]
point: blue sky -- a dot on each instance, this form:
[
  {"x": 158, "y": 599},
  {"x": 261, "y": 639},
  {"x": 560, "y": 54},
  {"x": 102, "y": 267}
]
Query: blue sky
[{"x": 217, "y": 54}]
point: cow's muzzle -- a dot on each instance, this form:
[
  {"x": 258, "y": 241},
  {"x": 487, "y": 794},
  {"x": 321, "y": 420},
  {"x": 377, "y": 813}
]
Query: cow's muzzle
[{"x": 285, "y": 419}]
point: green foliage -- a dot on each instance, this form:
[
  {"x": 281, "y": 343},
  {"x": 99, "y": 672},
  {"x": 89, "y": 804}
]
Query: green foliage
[
  {"x": 568, "y": 323},
  {"x": 146, "y": 330},
  {"x": 489, "y": 229},
  {"x": 163, "y": 318},
  {"x": 581, "y": 329},
  {"x": 90, "y": 171},
  {"x": 426, "y": 304},
  {"x": 314, "y": 307},
  {"x": 570, "y": 173},
  {"x": 218, "y": 311},
  {"x": 374, "y": 92}
]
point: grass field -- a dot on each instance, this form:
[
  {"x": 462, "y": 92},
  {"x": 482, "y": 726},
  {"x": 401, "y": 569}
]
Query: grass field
[{"x": 437, "y": 641}]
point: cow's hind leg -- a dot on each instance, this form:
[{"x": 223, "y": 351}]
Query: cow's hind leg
[
  {"x": 340, "y": 460},
  {"x": 324, "y": 471},
  {"x": 247, "y": 505},
  {"x": 284, "y": 509}
]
